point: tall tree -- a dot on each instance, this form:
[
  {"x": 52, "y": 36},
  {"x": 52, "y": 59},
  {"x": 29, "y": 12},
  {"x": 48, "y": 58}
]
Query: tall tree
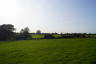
[
  {"x": 38, "y": 32},
  {"x": 24, "y": 34},
  {"x": 6, "y": 31}
]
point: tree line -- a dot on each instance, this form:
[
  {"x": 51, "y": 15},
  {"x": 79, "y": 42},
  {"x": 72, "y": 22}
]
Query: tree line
[{"x": 7, "y": 32}]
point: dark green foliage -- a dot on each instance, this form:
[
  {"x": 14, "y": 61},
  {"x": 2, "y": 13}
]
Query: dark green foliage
[
  {"x": 73, "y": 35},
  {"x": 24, "y": 34},
  {"x": 38, "y": 32},
  {"x": 7, "y": 32}
]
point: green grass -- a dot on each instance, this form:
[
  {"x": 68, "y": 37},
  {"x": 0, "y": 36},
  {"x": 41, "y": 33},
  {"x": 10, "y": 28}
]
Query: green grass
[
  {"x": 57, "y": 35},
  {"x": 42, "y": 35},
  {"x": 56, "y": 51},
  {"x": 37, "y": 36}
]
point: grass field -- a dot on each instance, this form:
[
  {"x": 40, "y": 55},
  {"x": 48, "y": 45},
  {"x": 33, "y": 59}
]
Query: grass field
[
  {"x": 42, "y": 35},
  {"x": 37, "y": 36},
  {"x": 52, "y": 51}
]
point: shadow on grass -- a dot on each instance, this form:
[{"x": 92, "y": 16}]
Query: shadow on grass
[{"x": 93, "y": 62}]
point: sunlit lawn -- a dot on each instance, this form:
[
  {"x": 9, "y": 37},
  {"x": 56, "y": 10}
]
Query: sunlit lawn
[
  {"x": 42, "y": 35},
  {"x": 52, "y": 51},
  {"x": 37, "y": 36}
]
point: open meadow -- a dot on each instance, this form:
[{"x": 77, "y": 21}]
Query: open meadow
[
  {"x": 47, "y": 31},
  {"x": 48, "y": 51}
]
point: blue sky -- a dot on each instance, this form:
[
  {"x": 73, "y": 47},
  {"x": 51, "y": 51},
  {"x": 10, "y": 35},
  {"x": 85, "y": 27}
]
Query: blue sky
[{"x": 50, "y": 15}]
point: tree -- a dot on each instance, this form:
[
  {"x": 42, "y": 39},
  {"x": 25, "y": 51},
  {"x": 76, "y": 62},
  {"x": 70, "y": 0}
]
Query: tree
[
  {"x": 38, "y": 32},
  {"x": 7, "y": 31},
  {"x": 24, "y": 34}
]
